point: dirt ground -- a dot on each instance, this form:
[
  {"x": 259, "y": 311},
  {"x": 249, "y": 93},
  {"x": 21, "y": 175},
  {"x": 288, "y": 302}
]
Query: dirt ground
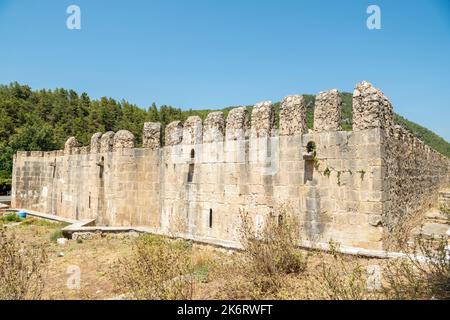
[{"x": 95, "y": 258}]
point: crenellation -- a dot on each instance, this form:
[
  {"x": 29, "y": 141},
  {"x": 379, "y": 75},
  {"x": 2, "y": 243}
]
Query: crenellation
[
  {"x": 123, "y": 139},
  {"x": 371, "y": 108},
  {"x": 238, "y": 124},
  {"x": 174, "y": 133},
  {"x": 151, "y": 135},
  {"x": 354, "y": 187},
  {"x": 192, "y": 131},
  {"x": 84, "y": 150},
  {"x": 71, "y": 145},
  {"x": 327, "y": 111},
  {"x": 293, "y": 116},
  {"x": 214, "y": 128},
  {"x": 107, "y": 142},
  {"x": 263, "y": 120},
  {"x": 96, "y": 142}
]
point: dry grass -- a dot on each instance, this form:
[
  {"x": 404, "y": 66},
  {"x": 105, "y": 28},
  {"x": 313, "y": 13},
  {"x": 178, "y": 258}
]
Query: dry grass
[
  {"x": 22, "y": 269},
  {"x": 269, "y": 257},
  {"x": 269, "y": 267},
  {"x": 157, "y": 269}
]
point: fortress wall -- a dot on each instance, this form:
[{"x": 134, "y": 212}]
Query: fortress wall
[
  {"x": 413, "y": 176},
  {"x": 119, "y": 188},
  {"x": 267, "y": 174},
  {"x": 412, "y": 173},
  {"x": 353, "y": 187}
]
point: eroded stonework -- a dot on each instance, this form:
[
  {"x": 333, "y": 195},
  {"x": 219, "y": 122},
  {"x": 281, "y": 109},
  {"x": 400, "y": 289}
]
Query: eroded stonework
[
  {"x": 71, "y": 146},
  {"x": 327, "y": 111},
  {"x": 263, "y": 120},
  {"x": 151, "y": 135},
  {"x": 214, "y": 127},
  {"x": 293, "y": 116},
  {"x": 238, "y": 124},
  {"x": 174, "y": 133},
  {"x": 192, "y": 130},
  {"x": 96, "y": 142},
  {"x": 123, "y": 139},
  {"x": 107, "y": 142},
  {"x": 371, "y": 109},
  {"x": 358, "y": 189}
]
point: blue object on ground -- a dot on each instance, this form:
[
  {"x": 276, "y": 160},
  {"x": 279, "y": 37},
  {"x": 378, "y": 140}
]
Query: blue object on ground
[{"x": 22, "y": 214}]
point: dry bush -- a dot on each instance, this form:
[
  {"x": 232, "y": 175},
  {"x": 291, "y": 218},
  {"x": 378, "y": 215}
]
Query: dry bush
[
  {"x": 425, "y": 274},
  {"x": 158, "y": 269},
  {"x": 269, "y": 255},
  {"x": 342, "y": 278},
  {"x": 21, "y": 269},
  {"x": 273, "y": 249}
]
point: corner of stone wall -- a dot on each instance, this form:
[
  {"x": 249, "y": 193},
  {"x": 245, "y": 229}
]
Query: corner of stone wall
[{"x": 371, "y": 108}]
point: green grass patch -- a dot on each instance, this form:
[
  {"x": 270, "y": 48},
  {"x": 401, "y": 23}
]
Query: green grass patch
[{"x": 10, "y": 218}]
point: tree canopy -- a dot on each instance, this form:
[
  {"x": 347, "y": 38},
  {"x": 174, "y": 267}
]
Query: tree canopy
[{"x": 42, "y": 120}]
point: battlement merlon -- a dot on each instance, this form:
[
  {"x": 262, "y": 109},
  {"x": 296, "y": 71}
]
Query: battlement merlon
[
  {"x": 328, "y": 111},
  {"x": 371, "y": 109},
  {"x": 151, "y": 135}
]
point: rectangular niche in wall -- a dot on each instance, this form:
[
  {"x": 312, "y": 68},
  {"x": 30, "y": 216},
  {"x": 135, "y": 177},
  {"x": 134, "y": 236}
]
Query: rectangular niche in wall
[
  {"x": 210, "y": 222},
  {"x": 190, "y": 173}
]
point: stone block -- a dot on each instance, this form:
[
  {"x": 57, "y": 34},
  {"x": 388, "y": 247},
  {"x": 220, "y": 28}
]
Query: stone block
[{"x": 327, "y": 114}]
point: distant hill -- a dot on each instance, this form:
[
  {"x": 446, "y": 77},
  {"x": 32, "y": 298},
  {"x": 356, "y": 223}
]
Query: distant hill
[{"x": 33, "y": 120}]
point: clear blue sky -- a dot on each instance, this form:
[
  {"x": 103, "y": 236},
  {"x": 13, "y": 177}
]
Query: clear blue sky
[{"x": 216, "y": 53}]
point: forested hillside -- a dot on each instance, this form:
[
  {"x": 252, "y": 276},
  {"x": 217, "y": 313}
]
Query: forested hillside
[{"x": 43, "y": 120}]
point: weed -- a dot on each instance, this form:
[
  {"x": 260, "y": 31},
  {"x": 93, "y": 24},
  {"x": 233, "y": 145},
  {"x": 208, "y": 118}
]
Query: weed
[
  {"x": 158, "y": 269},
  {"x": 21, "y": 269}
]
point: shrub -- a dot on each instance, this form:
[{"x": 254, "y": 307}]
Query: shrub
[
  {"x": 425, "y": 274},
  {"x": 12, "y": 217},
  {"x": 342, "y": 278},
  {"x": 269, "y": 255},
  {"x": 158, "y": 269},
  {"x": 274, "y": 248},
  {"x": 57, "y": 234},
  {"x": 21, "y": 270}
]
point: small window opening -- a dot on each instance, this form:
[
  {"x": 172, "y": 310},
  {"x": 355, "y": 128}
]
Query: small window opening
[
  {"x": 61, "y": 197},
  {"x": 210, "y": 218},
  {"x": 89, "y": 200},
  {"x": 192, "y": 154},
  {"x": 54, "y": 169},
  {"x": 311, "y": 147},
  {"x": 310, "y": 158},
  {"x": 102, "y": 166},
  {"x": 191, "y": 173},
  {"x": 280, "y": 220}
]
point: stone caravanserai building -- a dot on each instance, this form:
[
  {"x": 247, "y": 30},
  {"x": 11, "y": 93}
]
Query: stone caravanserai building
[{"x": 354, "y": 187}]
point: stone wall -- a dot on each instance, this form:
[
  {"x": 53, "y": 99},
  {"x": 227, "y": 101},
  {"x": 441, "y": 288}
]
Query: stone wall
[{"x": 354, "y": 187}]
